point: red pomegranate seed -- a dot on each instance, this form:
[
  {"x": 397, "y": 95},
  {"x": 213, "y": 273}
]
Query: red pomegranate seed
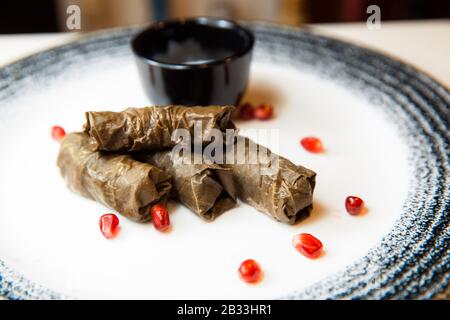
[
  {"x": 354, "y": 205},
  {"x": 246, "y": 112},
  {"x": 160, "y": 217},
  {"x": 308, "y": 245},
  {"x": 250, "y": 271},
  {"x": 109, "y": 224},
  {"x": 263, "y": 112},
  {"x": 58, "y": 133},
  {"x": 312, "y": 144}
]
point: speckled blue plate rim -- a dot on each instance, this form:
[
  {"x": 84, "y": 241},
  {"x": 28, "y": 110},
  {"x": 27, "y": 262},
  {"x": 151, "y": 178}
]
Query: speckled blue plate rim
[{"x": 412, "y": 261}]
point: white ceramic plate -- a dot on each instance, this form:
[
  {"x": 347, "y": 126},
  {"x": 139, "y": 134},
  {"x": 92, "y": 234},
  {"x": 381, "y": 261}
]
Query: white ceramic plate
[{"x": 355, "y": 100}]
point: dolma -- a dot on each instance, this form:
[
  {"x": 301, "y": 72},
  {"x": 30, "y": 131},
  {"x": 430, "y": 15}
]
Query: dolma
[
  {"x": 151, "y": 128},
  {"x": 206, "y": 189},
  {"x": 276, "y": 187},
  {"x": 117, "y": 181}
]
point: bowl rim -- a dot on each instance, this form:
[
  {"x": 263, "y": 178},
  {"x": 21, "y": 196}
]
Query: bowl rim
[{"x": 202, "y": 20}]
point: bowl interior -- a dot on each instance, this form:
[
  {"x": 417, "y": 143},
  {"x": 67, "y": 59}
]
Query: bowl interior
[{"x": 192, "y": 42}]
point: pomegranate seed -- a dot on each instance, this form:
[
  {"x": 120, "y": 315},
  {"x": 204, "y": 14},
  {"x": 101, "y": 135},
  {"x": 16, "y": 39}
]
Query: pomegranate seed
[
  {"x": 109, "y": 224},
  {"x": 354, "y": 205},
  {"x": 312, "y": 144},
  {"x": 160, "y": 217},
  {"x": 308, "y": 245},
  {"x": 246, "y": 112},
  {"x": 58, "y": 133},
  {"x": 263, "y": 112},
  {"x": 250, "y": 271}
]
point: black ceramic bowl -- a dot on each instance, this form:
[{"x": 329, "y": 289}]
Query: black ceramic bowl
[{"x": 198, "y": 61}]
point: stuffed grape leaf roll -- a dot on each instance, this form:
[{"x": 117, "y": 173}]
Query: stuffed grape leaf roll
[
  {"x": 207, "y": 189},
  {"x": 268, "y": 182},
  {"x": 151, "y": 128},
  {"x": 117, "y": 181}
]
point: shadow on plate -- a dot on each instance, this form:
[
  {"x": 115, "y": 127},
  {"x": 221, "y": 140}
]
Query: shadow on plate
[
  {"x": 318, "y": 212},
  {"x": 259, "y": 92}
]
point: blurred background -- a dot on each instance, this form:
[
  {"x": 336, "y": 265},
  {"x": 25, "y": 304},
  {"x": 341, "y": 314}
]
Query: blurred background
[{"x": 18, "y": 16}]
